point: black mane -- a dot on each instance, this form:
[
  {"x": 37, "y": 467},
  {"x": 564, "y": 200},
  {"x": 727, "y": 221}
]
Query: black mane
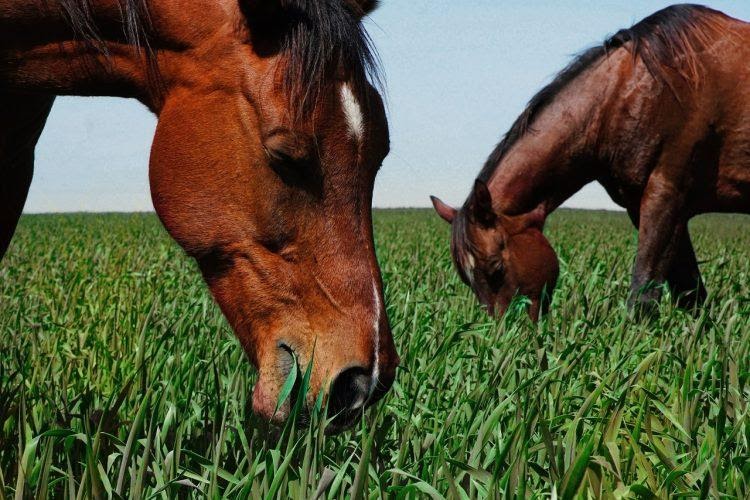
[
  {"x": 670, "y": 38},
  {"x": 136, "y": 22},
  {"x": 321, "y": 38},
  {"x": 136, "y": 30}
]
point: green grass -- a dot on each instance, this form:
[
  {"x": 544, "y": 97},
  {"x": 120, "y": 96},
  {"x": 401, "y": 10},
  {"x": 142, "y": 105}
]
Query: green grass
[{"x": 119, "y": 376}]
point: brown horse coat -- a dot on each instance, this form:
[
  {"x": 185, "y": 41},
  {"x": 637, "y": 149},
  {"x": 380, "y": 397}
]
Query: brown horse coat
[
  {"x": 659, "y": 116},
  {"x": 262, "y": 168}
]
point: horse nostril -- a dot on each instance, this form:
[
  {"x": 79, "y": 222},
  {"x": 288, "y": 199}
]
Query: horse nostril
[
  {"x": 349, "y": 392},
  {"x": 286, "y": 359}
]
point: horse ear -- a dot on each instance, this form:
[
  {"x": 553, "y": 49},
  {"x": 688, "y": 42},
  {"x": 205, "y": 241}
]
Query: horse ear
[
  {"x": 363, "y": 7},
  {"x": 446, "y": 212},
  {"x": 536, "y": 217},
  {"x": 481, "y": 204}
]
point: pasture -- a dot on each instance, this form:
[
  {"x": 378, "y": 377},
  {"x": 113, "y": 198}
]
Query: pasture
[{"x": 119, "y": 376}]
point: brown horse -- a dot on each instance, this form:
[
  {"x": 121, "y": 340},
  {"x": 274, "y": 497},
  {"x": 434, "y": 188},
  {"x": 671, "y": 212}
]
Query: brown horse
[
  {"x": 659, "y": 115},
  {"x": 269, "y": 138}
]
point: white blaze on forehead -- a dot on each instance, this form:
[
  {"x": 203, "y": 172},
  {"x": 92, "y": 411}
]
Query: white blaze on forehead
[
  {"x": 376, "y": 329},
  {"x": 469, "y": 266},
  {"x": 352, "y": 112}
]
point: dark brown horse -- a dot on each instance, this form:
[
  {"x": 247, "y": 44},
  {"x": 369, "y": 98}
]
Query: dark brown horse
[
  {"x": 262, "y": 167},
  {"x": 660, "y": 116}
]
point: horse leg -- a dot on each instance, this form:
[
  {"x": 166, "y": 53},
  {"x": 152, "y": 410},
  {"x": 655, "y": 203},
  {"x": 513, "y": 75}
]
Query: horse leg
[
  {"x": 22, "y": 118},
  {"x": 662, "y": 225},
  {"x": 684, "y": 277}
]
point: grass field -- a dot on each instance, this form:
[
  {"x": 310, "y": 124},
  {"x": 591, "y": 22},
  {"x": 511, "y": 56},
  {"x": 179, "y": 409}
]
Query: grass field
[{"x": 119, "y": 377}]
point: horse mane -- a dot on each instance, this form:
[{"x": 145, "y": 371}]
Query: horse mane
[
  {"x": 135, "y": 19},
  {"x": 669, "y": 38},
  {"x": 319, "y": 37},
  {"x": 136, "y": 28},
  {"x": 322, "y": 39}
]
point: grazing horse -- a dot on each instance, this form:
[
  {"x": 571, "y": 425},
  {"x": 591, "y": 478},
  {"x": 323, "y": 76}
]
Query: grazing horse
[
  {"x": 269, "y": 138},
  {"x": 660, "y": 116}
]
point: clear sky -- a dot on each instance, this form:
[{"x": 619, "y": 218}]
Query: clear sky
[{"x": 458, "y": 73}]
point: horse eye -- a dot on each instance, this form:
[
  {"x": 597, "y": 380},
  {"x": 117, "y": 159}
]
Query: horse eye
[
  {"x": 496, "y": 274},
  {"x": 286, "y": 149},
  {"x": 292, "y": 159},
  {"x": 496, "y": 266},
  {"x": 286, "y": 158},
  {"x": 277, "y": 155}
]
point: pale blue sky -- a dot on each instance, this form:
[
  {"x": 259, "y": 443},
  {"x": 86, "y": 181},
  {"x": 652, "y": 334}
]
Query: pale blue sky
[{"x": 458, "y": 73}]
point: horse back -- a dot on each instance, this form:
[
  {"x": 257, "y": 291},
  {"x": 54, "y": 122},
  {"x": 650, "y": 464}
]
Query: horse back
[{"x": 689, "y": 123}]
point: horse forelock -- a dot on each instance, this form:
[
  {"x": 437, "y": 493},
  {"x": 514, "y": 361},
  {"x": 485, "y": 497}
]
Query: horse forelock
[
  {"x": 669, "y": 38},
  {"x": 320, "y": 40},
  {"x": 323, "y": 40}
]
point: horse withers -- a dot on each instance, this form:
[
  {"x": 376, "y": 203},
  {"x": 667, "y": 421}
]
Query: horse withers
[
  {"x": 269, "y": 138},
  {"x": 658, "y": 115}
]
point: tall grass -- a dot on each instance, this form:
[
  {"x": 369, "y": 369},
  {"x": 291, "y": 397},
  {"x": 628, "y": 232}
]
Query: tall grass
[{"x": 120, "y": 378}]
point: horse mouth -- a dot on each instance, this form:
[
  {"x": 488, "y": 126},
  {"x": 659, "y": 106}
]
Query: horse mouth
[
  {"x": 296, "y": 406},
  {"x": 349, "y": 395}
]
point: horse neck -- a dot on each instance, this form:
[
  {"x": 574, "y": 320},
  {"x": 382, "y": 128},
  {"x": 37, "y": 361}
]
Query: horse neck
[
  {"x": 558, "y": 155},
  {"x": 40, "y": 51}
]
